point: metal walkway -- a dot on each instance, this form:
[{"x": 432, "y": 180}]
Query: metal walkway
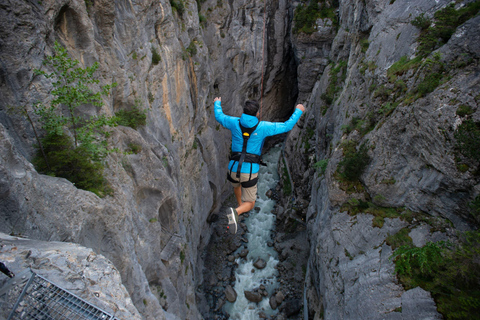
[{"x": 40, "y": 299}]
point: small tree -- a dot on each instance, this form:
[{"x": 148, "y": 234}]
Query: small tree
[{"x": 79, "y": 160}]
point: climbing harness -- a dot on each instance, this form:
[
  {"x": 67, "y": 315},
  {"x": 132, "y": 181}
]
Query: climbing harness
[{"x": 244, "y": 156}]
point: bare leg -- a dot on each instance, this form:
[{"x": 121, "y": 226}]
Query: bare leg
[
  {"x": 245, "y": 207},
  {"x": 238, "y": 194}
]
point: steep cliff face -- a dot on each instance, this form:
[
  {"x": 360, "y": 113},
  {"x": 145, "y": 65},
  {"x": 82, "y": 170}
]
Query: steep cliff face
[
  {"x": 410, "y": 155},
  {"x": 168, "y": 189}
]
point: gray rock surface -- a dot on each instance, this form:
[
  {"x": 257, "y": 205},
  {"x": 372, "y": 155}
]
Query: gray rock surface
[
  {"x": 412, "y": 157},
  {"x": 70, "y": 266},
  {"x": 165, "y": 194}
]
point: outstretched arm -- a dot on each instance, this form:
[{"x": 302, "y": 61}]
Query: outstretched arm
[
  {"x": 275, "y": 128},
  {"x": 222, "y": 118}
]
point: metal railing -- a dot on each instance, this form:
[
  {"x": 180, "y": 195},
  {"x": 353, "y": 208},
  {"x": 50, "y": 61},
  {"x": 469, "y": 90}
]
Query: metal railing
[{"x": 40, "y": 299}]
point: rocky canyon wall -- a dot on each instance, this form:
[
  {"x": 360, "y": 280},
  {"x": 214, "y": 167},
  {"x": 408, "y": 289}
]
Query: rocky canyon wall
[
  {"x": 353, "y": 100},
  {"x": 171, "y": 186}
]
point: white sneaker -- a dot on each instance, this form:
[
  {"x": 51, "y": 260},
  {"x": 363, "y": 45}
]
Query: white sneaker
[{"x": 232, "y": 220}]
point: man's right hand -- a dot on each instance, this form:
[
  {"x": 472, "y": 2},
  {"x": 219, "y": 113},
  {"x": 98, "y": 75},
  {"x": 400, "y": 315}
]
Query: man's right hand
[
  {"x": 301, "y": 107},
  {"x": 217, "y": 99}
]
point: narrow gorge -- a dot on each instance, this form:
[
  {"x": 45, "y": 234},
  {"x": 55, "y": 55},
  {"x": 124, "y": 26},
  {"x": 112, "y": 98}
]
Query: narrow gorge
[{"x": 381, "y": 169}]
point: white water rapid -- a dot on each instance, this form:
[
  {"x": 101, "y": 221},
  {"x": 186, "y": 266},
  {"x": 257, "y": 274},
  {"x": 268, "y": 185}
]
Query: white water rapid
[{"x": 260, "y": 226}]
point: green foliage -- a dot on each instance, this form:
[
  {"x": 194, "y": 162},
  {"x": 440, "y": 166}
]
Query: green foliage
[
  {"x": 321, "y": 166},
  {"x": 364, "y": 43},
  {"x": 425, "y": 260},
  {"x": 444, "y": 24},
  {"x": 401, "y": 238},
  {"x": 178, "y": 5},
  {"x": 202, "y": 19},
  {"x": 382, "y": 92},
  {"x": 337, "y": 76},
  {"x": 156, "y": 58},
  {"x": 355, "y": 206},
  {"x": 306, "y": 15},
  {"x": 80, "y": 160},
  {"x": 421, "y": 22},
  {"x": 134, "y": 148},
  {"x": 475, "y": 208},
  {"x": 363, "y": 126},
  {"x": 388, "y": 108},
  {"x": 71, "y": 88},
  {"x": 450, "y": 273},
  {"x": 182, "y": 256},
  {"x": 73, "y": 164},
  {"x": 468, "y": 139},
  {"x": 402, "y": 66},
  {"x": 354, "y": 163},
  {"x": 132, "y": 118},
  {"x": 192, "y": 48},
  {"x": 434, "y": 70},
  {"x": 464, "y": 110}
]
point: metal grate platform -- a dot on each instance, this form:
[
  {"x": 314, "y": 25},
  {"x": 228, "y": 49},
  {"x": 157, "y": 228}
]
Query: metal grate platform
[{"x": 43, "y": 300}]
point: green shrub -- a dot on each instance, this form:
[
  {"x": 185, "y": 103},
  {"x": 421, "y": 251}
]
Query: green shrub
[
  {"x": 434, "y": 70},
  {"x": 132, "y": 118},
  {"x": 464, "y": 110},
  {"x": 192, "y": 48},
  {"x": 401, "y": 238},
  {"x": 402, "y": 66},
  {"x": 468, "y": 139},
  {"x": 354, "y": 163},
  {"x": 475, "y": 208},
  {"x": 445, "y": 24},
  {"x": 421, "y": 22},
  {"x": 178, "y": 5},
  {"x": 156, "y": 58},
  {"x": 134, "y": 148},
  {"x": 364, "y": 43},
  {"x": 306, "y": 15},
  {"x": 333, "y": 84},
  {"x": 423, "y": 261},
  {"x": 321, "y": 166},
  {"x": 450, "y": 273},
  {"x": 73, "y": 164}
]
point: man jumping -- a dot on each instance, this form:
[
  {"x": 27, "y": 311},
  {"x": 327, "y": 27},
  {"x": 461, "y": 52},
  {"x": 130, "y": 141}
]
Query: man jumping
[{"x": 248, "y": 136}]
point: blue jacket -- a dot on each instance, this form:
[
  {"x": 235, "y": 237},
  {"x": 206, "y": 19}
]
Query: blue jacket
[{"x": 256, "y": 140}]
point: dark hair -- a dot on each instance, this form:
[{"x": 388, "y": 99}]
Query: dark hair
[{"x": 251, "y": 107}]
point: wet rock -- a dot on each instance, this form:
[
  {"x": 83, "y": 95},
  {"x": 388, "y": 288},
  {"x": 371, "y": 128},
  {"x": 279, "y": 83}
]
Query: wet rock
[
  {"x": 253, "y": 296},
  {"x": 260, "y": 264},
  {"x": 262, "y": 315},
  {"x": 243, "y": 253},
  {"x": 269, "y": 193},
  {"x": 291, "y": 307},
  {"x": 270, "y": 244},
  {"x": 279, "y": 297},
  {"x": 273, "y": 302},
  {"x": 231, "y": 258},
  {"x": 220, "y": 304},
  {"x": 230, "y": 294}
]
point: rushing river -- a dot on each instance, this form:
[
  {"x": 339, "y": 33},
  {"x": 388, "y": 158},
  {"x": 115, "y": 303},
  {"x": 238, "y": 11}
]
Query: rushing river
[{"x": 260, "y": 226}]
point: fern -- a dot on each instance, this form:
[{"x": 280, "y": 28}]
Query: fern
[{"x": 427, "y": 259}]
